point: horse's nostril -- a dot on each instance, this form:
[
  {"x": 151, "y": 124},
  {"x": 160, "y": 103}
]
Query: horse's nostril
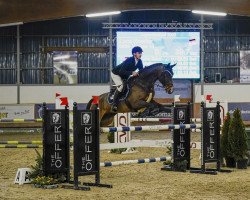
[{"x": 171, "y": 91}]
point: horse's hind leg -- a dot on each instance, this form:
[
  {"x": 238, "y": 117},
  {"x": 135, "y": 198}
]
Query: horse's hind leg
[{"x": 107, "y": 119}]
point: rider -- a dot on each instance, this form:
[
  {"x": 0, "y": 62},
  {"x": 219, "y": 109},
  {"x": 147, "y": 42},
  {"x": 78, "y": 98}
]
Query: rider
[{"x": 123, "y": 71}]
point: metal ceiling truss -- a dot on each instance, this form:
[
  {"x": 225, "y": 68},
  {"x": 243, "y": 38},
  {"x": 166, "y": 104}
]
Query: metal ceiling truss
[{"x": 169, "y": 26}]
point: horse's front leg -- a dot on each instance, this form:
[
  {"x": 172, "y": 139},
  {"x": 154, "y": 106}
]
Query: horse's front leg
[
  {"x": 142, "y": 104},
  {"x": 161, "y": 107},
  {"x": 148, "y": 107}
]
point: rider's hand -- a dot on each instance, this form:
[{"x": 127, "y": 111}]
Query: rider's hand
[{"x": 135, "y": 74}]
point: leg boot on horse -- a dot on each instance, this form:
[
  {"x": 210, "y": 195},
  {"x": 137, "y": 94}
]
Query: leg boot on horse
[{"x": 115, "y": 100}]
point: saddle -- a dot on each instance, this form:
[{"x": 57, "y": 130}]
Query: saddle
[
  {"x": 124, "y": 93},
  {"x": 128, "y": 84}
]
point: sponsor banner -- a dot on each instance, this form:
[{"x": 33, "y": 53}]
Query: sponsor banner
[
  {"x": 86, "y": 142},
  {"x": 209, "y": 135},
  {"x": 181, "y": 87},
  {"x": 65, "y": 67},
  {"x": 16, "y": 112},
  {"x": 159, "y": 115},
  {"x": 122, "y": 119},
  {"x": 39, "y": 109},
  {"x": 245, "y": 66},
  {"x": 181, "y": 137},
  {"x": 244, "y": 109},
  {"x": 56, "y": 151}
]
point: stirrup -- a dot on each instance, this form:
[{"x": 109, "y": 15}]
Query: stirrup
[{"x": 114, "y": 108}]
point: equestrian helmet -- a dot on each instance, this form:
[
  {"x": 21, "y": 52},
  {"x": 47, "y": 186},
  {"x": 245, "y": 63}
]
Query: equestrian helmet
[{"x": 137, "y": 49}]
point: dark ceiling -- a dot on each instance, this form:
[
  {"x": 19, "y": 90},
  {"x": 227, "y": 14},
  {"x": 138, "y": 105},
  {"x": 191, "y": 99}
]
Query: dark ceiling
[{"x": 12, "y": 11}]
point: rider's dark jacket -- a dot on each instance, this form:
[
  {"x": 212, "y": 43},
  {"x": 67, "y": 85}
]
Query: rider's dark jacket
[{"x": 125, "y": 69}]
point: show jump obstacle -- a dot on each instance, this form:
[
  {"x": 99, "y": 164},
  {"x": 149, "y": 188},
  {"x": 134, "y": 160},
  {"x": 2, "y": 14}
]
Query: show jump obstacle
[
  {"x": 181, "y": 129},
  {"x": 210, "y": 139},
  {"x": 56, "y": 157}
]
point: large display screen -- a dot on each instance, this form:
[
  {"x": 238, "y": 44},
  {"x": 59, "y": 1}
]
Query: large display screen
[{"x": 182, "y": 48}]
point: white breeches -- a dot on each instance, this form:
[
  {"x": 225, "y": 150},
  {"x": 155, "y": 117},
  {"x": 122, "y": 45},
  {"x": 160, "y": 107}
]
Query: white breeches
[{"x": 118, "y": 81}]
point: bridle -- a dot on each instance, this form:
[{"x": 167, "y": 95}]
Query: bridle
[{"x": 171, "y": 74}]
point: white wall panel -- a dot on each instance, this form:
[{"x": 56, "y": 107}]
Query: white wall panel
[
  {"x": 8, "y": 94},
  {"x": 224, "y": 92},
  {"x": 78, "y": 93},
  {"x": 82, "y": 93}
]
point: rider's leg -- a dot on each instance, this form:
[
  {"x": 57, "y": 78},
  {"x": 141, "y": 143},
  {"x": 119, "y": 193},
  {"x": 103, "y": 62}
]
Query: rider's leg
[
  {"x": 119, "y": 84},
  {"x": 115, "y": 100},
  {"x": 117, "y": 80}
]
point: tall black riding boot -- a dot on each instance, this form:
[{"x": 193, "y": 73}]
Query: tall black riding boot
[{"x": 115, "y": 100}]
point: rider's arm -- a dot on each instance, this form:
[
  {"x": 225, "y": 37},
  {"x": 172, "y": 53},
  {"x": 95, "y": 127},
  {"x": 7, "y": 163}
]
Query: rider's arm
[
  {"x": 140, "y": 65},
  {"x": 125, "y": 68}
]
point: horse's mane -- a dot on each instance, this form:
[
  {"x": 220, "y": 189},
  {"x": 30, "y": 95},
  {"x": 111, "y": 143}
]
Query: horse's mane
[
  {"x": 150, "y": 68},
  {"x": 151, "y": 73}
]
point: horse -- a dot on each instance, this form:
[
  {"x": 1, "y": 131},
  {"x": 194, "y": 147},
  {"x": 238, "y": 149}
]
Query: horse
[{"x": 140, "y": 93}]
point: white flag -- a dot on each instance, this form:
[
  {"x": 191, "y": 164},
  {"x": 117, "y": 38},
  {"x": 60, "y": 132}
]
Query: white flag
[
  {"x": 177, "y": 98},
  {"x": 61, "y": 102},
  {"x": 202, "y": 98}
]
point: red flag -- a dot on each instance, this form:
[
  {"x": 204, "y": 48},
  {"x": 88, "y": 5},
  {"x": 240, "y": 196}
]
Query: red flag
[
  {"x": 209, "y": 97},
  {"x": 95, "y": 100},
  {"x": 58, "y": 94},
  {"x": 64, "y": 101}
]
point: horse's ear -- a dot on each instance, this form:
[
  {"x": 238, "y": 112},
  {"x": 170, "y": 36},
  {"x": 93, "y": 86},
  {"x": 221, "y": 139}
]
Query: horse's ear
[
  {"x": 172, "y": 66},
  {"x": 167, "y": 66}
]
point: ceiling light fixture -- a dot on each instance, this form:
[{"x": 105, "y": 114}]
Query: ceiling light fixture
[
  {"x": 103, "y": 14},
  {"x": 209, "y": 13},
  {"x": 11, "y": 24}
]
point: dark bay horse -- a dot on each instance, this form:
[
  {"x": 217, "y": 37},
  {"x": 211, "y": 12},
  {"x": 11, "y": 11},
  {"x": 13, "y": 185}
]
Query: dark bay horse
[{"x": 141, "y": 92}]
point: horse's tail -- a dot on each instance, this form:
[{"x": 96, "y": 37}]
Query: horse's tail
[
  {"x": 88, "y": 107},
  {"x": 90, "y": 104}
]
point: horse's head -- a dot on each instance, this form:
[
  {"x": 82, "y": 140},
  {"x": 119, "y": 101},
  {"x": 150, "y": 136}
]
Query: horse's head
[{"x": 166, "y": 78}]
